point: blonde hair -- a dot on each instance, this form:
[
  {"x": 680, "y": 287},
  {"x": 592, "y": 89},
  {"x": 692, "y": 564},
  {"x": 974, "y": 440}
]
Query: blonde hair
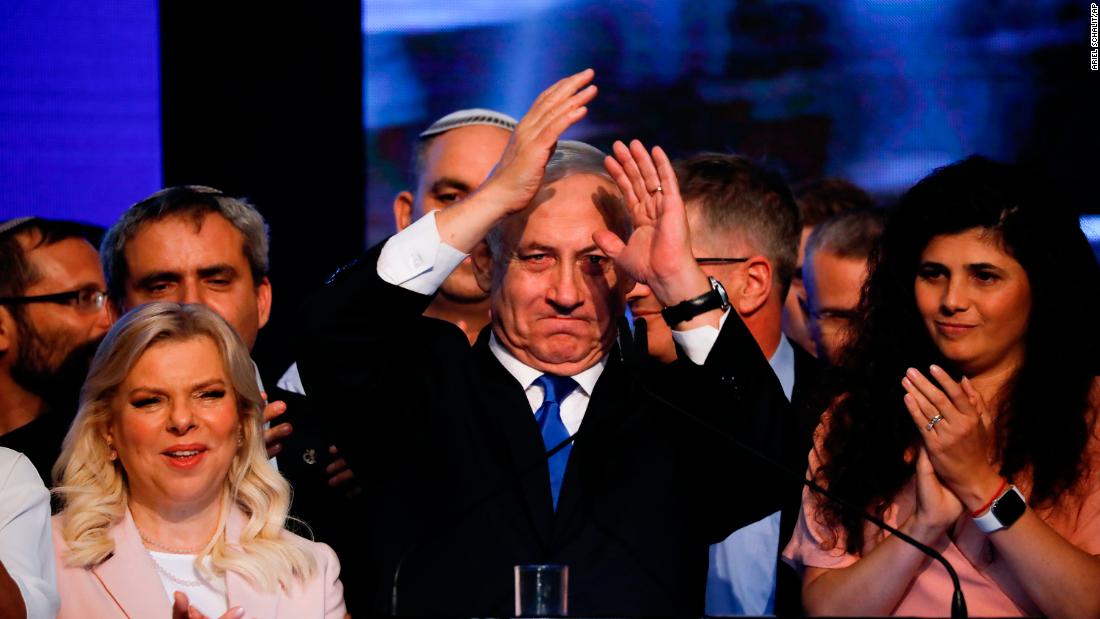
[{"x": 94, "y": 488}]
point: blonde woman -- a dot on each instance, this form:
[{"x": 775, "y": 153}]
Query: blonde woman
[{"x": 170, "y": 505}]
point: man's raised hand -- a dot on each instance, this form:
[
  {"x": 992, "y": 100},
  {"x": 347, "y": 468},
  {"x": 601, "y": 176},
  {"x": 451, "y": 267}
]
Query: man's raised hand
[
  {"x": 516, "y": 178},
  {"x": 658, "y": 253}
]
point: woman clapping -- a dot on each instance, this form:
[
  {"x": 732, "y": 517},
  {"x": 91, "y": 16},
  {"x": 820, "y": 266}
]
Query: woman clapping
[{"x": 966, "y": 414}]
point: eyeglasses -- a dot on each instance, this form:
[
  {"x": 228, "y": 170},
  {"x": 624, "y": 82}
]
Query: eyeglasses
[
  {"x": 830, "y": 320},
  {"x": 87, "y": 300},
  {"x": 720, "y": 260}
]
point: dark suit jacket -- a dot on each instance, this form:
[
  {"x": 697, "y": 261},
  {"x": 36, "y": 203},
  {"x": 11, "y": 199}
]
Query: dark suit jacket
[
  {"x": 805, "y": 412},
  {"x": 454, "y": 471},
  {"x": 318, "y": 511}
]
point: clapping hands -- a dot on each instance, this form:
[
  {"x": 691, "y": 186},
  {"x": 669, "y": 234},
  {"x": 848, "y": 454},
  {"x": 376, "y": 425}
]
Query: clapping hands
[{"x": 954, "y": 421}]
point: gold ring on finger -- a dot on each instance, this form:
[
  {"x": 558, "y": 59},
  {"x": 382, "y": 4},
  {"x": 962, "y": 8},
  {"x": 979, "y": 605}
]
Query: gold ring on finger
[{"x": 932, "y": 422}]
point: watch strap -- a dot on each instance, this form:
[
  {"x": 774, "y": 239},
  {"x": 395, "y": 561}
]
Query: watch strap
[
  {"x": 1003, "y": 512},
  {"x": 715, "y": 298}
]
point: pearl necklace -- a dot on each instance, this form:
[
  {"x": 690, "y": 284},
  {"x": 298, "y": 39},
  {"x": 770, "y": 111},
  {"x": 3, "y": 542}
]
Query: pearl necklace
[
  {"x": 202, "y": 583},
  {"x": 178, "y": 551}
]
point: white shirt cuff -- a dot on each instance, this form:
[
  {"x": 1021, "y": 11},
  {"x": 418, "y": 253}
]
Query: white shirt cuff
[
  {"x": 698, "y": 342},
  {"x": 416, "y": 259}
]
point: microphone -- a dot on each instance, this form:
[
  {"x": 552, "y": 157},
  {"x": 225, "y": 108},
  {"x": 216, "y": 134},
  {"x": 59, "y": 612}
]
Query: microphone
[{"x": 958, "y": 601}]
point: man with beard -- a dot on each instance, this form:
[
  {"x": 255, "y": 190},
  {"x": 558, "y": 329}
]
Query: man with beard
[{"x": 52, "y": 317}]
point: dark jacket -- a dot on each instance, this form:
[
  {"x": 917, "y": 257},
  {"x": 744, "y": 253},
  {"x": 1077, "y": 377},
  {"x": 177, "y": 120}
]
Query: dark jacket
[{"x": 454, "y": 472}]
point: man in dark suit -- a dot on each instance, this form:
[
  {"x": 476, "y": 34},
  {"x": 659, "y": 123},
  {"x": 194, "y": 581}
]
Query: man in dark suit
[
  {"x": 745, "y": 232},
  {"x": 464, "y": 453}
]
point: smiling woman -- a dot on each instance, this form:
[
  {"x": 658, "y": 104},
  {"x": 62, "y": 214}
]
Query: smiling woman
[
  {"x": 170, "y": 504},
  {"x": 965, "y": 411}
]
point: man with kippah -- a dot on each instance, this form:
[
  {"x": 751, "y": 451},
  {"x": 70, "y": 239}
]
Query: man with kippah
[
  {"x": 453, "y": 156},
  {"x": 451, "y": 159}
]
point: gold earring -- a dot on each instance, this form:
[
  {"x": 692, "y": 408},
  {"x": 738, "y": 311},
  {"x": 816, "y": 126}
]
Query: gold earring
[{"x": 113, "y": 455}]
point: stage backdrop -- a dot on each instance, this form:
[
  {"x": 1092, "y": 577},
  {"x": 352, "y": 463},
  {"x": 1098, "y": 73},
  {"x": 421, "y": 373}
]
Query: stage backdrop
[
  {"x": 880, "y": 92},
  {"x": 79, "y": 107}
]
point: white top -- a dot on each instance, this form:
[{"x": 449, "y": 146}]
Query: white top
[
  {"x": 741, "y": 579},
  {"x": 26, "y": 547},
  {"x": 177, "y": 572},
  {"x": 417, "y": 259}
]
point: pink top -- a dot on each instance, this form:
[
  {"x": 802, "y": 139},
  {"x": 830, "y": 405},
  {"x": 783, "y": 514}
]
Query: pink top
[
  {"x": 126, "y": 584},
  {"x": 989, "y": 586}
]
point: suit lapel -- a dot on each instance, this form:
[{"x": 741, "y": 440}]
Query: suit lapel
[
  {"x": 130, "y": 576},
  {"x": 238, "y": 590},
  {"x": 506, "y": 405}
]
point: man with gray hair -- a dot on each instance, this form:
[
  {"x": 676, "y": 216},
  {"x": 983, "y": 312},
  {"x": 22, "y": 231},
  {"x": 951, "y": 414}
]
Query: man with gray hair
[
  {"x": 744, "y": 233},
  {"x": 837, "y": 255},
  {"x": 194, "y": 244},
  {"x": 181, "y": 244},
  {"x": 544, "y": 442}
]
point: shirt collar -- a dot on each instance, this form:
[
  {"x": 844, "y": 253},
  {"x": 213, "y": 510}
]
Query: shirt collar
[
  {"x": 259, "y": 379},
  {"x": 527, "y": 375},
  {"x": 782, "y": 363}
]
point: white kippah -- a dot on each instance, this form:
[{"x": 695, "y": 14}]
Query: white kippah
[
  {"x": 466, "y": 118},
  {"x": 14, "y": 223}
]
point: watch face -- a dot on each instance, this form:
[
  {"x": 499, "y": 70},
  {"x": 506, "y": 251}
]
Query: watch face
[
  {"x": 721, "y": 290},
  {"x": 1009, "y": 507}
]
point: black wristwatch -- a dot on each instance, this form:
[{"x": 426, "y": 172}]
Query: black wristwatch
[
  {"x": 715, "y": 298},
  {"x": 1003, "y": 513}
]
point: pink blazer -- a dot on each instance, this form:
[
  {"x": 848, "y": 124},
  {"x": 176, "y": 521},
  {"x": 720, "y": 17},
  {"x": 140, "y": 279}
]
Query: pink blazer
[{"x": 126, "y": 585}]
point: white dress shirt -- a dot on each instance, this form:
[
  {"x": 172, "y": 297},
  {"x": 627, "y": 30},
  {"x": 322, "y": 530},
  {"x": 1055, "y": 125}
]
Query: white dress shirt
[
  {"x": 741, "y": 579},
  {"x": 26, "y": 546},
  {"x": 291, "y": 380},
  {"x": 417, "y": 259}
]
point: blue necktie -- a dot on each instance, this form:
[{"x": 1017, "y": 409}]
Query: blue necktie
[{"x": 548, "y": 416}]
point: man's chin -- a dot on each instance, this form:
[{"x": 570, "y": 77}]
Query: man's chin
[
  {"x": 565, "y": 355},
  {"x": 66, "y": 382},
  {"x": 463, "y": 293}
]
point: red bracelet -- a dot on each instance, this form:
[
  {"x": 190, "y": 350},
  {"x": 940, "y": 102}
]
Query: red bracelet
[{"x": 981, "y": 510}]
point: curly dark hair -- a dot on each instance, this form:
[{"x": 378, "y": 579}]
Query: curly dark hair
[{"x": 1044, "y": 417}]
